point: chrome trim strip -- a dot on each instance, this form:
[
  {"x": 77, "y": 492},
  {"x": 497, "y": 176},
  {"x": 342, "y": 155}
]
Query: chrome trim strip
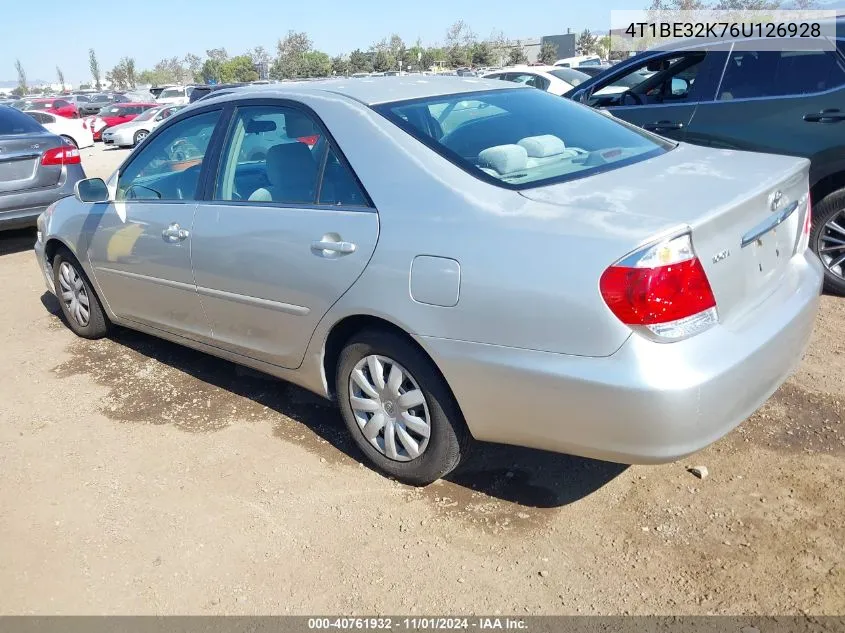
[
  {"x": 153, "y": 280},
  {"x": 254, "y": 301},
  {"x": 767, "y": 225}
]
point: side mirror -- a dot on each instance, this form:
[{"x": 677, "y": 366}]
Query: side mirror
[
  {"x": 91, "y": 190},
  {"x": 159, "y": 118},
  {"x": 679, "y": 86}
]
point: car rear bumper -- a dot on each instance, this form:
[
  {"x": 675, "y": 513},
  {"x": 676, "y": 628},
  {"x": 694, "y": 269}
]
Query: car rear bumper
[
  {"x": 22, "y": 208},
  {"x": 648, "y": 402}
]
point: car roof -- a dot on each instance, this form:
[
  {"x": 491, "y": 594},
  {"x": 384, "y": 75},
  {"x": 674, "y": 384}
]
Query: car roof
[
  {"x": 124, "y": 104},
  {"x": 376, "y": 90}
]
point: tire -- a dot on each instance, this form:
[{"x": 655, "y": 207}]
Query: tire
[
  {"x": 830, "y": 209},
  {"x": 69, "y": 276},
  {"x": 140, "y": 135},
  {"x": 448, "y": 437},
  {"x": 70, "y": 141}
]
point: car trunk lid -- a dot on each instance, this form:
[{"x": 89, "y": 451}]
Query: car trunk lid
[
  {"x": 745, "y": 212},
  {"x": 20, "y": 162}
]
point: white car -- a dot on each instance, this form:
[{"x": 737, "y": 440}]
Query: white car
[
  {"x": 74, "y": 131},
  {"x": 581, "y": 60},
  {"x": 175, "y": 95},
  {"x": 131, "y": 133},
  {"x": 555, "y": 80}
]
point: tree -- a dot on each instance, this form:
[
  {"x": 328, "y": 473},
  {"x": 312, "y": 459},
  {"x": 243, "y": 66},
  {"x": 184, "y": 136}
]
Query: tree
[
  {"x": 94, "y": 65},
  {"x": 291, "y": 50},
  {"x": 678, "y": 5},
  {"x": 211, "y": 71},
  {"x": 460, "y": 40},
  {"x": 193, "y": 66},
  {"x": 259, "y": 55},
  {"x": 382, "y": 62},
  {"x": 21, "y": 77},
  {"x": 238, "y": 69},
  {"x": 803, "y": 5},
  {"x": 61, "y": 77},
  {"x": 340, "y": 66},
  {"x": 603, "y": 46},
  {"x": 117, "y": 77},
  {"x": 18, "y": 92},
  {"x": 747, "y": 5},
  {"x": 217, "y": 54},
  {"x": 548, "y": 53},
  {"x": 482, "y": 54},
  {"x": 500, "y": 45},
  {"x": 316, "y": 64},
  {"x": 129, "y": 65},
  {"x": 360, "y": 62},
  {"x": 586, "y": 43},
  {"x": 516, "y": 55}
]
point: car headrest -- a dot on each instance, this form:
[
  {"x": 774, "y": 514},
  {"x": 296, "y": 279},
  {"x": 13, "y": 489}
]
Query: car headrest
[
  {"x": 290, "y": 162},
  {"x": 542, "y": 146},
  {"x": 504, "y": 159},
  {"x": 298, "y": 125}
]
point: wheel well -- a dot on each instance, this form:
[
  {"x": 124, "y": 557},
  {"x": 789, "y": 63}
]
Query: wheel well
[
  {"x": 345, "y": 329},
  {"x": 52, "y": 247},
  {"x": 827, "y": 185}
]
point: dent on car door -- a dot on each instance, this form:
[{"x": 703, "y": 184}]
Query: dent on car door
[
  {"x": 288, "y": 231},
  {"x": 661, "y": 94},
  {"x": 141, "y": 246}
]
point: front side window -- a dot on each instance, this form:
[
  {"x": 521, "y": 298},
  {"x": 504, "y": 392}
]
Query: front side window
[
  {"x": 60, "y": 104},
  {"x": 753, "y": 74},
  {"x": 523, "y": 138},
  {"x": 168, "y": 167},
  {"x": 273, "y": 154}
]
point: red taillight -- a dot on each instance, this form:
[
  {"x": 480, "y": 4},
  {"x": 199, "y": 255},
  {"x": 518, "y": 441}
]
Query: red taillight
[
  {"x": 662, "y": 287},
  {"x": 58, "y": 156},
  {"x": 808, "y": 217}
]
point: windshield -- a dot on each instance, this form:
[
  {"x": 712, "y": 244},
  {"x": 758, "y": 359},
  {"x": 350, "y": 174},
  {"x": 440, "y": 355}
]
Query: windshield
[
  {"x": 100, "y": 98},
  {"x": 171, "y": 92},
  {"x": 39, "y": 105},
  {"x": 521, "y": 138},
  {"x": 146, "y": 115},
  {"x": 16, "y": 122},
  {"x": 110, "y": 111},
  {"x": 570, "y": 75}
]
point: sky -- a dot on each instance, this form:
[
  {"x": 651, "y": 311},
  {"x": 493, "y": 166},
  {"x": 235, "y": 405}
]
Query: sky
[{"x": 61, "y": 32}]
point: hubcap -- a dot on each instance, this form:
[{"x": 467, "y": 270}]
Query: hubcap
[
  {"x": 390, "y": 408},
  {"x": 142, "y": 136},
  {"x": 831, "y": 245},
  {"x": 74, "y": 295}
]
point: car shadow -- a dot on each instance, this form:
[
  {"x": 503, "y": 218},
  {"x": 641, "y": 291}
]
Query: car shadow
[
  {"x": 16, "y": 241},
  {"x": 527, "y": 477}
]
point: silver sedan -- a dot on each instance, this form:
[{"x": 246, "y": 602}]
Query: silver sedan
[
  {"x": 133, "y": 132},
  {"x": 454, "y": 259}
]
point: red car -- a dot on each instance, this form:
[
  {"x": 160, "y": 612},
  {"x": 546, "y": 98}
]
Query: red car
[
  {"x": 59, "y": 107},
  {"x": 115, "y": 115}
]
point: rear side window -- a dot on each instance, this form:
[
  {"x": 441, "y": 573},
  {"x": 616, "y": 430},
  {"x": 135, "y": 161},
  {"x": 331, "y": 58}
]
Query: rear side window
[
  {"x": 522, "y": 138},
  {"x": 753, "y": 74},
  {"x": 15, "y": 122}
]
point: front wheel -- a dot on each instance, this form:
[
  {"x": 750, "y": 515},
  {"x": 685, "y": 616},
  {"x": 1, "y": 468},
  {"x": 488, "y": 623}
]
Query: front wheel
[
  {"x": 81, "y": 307},
  {"x": 827, "y": 239},
  {"x": 398, "y": 408},
  {"x": 140, "y": 135}
]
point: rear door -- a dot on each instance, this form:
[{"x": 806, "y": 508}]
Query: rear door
[
  {"x": 661, "y": 93},
  {"x": 784, "y": 102},
  {"x": 22, "y": 145},
  {"x": 287, "y": 231}
]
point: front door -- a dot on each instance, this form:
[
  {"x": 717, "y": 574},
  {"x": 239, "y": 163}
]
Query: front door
[
  {"x": 141, "y": 248},
  {"x": 661, "y": 94},
  {"x": 288, "y": 231}
]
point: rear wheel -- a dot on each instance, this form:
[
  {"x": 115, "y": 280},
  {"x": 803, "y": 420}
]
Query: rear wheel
[
  {"x": 140, "y": 135},
  {"x": 81, "y": 307},
  {"x": 399, "y": 409},
  {"x": 70, "y": 141},
  {"x": 827, "y": 239}
]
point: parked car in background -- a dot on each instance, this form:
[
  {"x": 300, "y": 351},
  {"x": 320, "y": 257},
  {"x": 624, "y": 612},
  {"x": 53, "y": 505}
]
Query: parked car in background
[
  {"x": 37, "y": 168},
  {"x": 97, "y": 102},
  {"x": 74, "y": 131},
  {"x": 115, "y": 115},
  {"x": 593, "y": 70},
  {"x": 634, "y": 338},
  {"x": 203, "y": 91},
  {"x": 176, "y": 95},
  {"x": 580, "y": 60},
  {"x": 549, "y": 78},
  {"x": 59, "y": 107},
  {"x": 131, "y": 133},
  {"x": 786, "y": 102}
]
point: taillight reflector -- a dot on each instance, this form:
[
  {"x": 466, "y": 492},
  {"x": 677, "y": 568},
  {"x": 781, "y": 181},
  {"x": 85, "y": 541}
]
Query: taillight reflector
[
  {"x": 662, "y": 287},
  {"x": 64, "y": 155}
]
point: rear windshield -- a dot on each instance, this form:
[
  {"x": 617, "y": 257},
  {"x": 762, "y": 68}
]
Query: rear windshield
[
  {"x": 171, "y": 92},
  {"x": 570, "y": 75},
  {"x": 522, "y": 138},
  {"x": 16, "y": 122}
]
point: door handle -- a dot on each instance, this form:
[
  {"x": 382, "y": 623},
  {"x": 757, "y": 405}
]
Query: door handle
[
  {"x": 663, "y": 125},
  {"x": 344, "y": 248},
  {"x": 175, "y": 233},
  {"x": 830, "y": 115}
]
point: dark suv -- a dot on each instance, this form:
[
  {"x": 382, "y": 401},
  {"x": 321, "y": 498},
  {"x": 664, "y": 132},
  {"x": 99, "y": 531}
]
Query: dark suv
[{"x": 714, "y": 94}]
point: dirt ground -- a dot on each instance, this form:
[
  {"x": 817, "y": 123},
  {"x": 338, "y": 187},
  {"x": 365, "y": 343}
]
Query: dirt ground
[{"x": 142, "y": 477}]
